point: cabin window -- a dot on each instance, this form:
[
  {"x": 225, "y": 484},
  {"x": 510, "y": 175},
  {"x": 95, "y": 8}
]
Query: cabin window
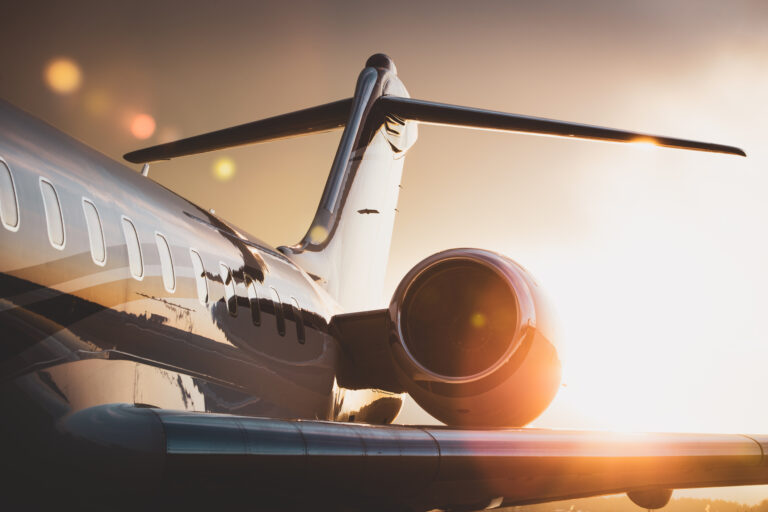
[
  {"x": 298, "y": 317},
  {"x": 166, "y": 262},
  {"x": 199, "y": 270},
  {"x": 253, "y": 299},
  {"x": 9, "y": 206},
  {"x": 278, "y": 305},
  {"x": 95, "y": 233},
  {"x": 53, "y": 215},
  {"x": 135, "y": 261},
  {"x": 229, "y": 288}
]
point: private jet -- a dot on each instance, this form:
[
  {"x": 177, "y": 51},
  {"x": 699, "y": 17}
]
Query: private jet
[{"x": 154, "y": 355}]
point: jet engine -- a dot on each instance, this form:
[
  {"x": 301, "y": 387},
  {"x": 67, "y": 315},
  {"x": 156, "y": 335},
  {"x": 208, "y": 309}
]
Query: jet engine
[{"x": 471, "y": 340}]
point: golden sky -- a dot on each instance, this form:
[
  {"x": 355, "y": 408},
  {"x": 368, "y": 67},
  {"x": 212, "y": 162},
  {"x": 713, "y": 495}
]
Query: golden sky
[{"x": 655, "y": 259}]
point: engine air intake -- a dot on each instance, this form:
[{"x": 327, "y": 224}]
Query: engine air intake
[
  {"x": 471, "y": 340},
  {"x": 458, "y": 318}
]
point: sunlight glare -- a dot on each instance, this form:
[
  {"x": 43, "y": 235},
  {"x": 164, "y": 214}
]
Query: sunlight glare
[
  {"x": 645, "y": 142},
  {"x": 317, "y": 234}
]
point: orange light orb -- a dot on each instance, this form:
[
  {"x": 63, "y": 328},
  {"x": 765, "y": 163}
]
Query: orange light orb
[
  {"x": 224, "y": 169},
  {"x": 142, "y": 126},
  {"x": 63, "y": 75}
]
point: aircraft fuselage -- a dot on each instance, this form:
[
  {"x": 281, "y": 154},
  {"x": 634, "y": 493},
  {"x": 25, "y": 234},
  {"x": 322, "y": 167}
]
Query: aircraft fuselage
[{"x": 82, "y": 328}]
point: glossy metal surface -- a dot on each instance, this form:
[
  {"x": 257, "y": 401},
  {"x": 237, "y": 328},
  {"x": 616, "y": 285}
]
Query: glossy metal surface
[
  {"x": 347, "y": 245},
  {"x": 120, "y": 390},
  {"x": 440, "y": 113},
  {"x": 359, "y": 466},
  {"x": 59, "y": 310},
  {"x": 78, "y": 335},
  {"x": 510, "y": 391},
  {"x": 303, "y": 122}
]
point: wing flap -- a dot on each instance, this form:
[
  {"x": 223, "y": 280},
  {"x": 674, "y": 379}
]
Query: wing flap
[{"x": 421, "y": 468}]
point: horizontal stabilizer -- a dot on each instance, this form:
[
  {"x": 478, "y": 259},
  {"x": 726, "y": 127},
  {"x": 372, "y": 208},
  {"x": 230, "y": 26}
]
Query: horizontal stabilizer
[
  {"x": 302, "y": 122},
  {"x": 331, "y": 116},
  {"x": 443, "y": 114}
]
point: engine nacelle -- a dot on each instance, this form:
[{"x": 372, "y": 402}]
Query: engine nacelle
[{"x": 471, "y": 340}]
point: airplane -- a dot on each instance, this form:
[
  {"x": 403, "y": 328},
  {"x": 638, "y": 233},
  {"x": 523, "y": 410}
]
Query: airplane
[{"x": 155, "y": 355}]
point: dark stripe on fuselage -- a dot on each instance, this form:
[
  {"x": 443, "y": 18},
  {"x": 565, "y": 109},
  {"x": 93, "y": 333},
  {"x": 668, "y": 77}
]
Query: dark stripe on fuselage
[
  {"x": 61, "y": 327},
  {"x": 59, "y": 306}
]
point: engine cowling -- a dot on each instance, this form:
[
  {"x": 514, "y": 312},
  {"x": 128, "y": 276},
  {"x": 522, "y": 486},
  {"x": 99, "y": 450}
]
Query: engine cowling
[{"x": 471, "y": 340}]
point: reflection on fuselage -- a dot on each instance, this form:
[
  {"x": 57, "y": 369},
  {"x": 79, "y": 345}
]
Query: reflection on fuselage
[{"x": 114, "y": 289}]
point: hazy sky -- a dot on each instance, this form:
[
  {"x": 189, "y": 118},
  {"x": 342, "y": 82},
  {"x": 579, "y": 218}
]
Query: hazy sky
[{"x": 656, "y": 259}]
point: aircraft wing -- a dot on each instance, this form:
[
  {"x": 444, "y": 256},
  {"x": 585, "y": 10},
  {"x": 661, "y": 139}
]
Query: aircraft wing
[{"x": 295, "y": 463}]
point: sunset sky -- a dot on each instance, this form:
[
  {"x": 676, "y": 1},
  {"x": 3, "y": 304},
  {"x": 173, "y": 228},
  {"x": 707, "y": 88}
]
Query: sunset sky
[{"x": 655, "y": 259}]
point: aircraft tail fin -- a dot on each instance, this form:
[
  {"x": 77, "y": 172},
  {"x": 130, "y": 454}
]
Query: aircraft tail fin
[{"x": 347, "y": 244}]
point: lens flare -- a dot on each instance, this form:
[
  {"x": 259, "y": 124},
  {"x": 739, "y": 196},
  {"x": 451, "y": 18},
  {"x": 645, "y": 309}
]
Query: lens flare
[
  {"x": 477, "y": 320},
  {"x": 98, "y": 102},
  {"x": 224, "y": 169},
  {"x": 142, "y": 126},
  {"x": 317, "y": 234},
  {"x": 63, "y": 75}
]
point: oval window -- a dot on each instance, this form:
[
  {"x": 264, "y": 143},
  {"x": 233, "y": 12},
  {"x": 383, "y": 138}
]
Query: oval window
[
  {"x": 253, "y": 299},
  {"x": 298, "y": 317},
  {"x": 199, "y": 271},
  {"x": 95, "y": 233},
  {"x": 166, "y": 262},
  {"x": 135, "y": 262},
  {"x": 278, "y": 305},
  {"x": 9, "y": 206},
  {"x": 229, "y": 288},
  {"x": 53, "y": 214}
]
